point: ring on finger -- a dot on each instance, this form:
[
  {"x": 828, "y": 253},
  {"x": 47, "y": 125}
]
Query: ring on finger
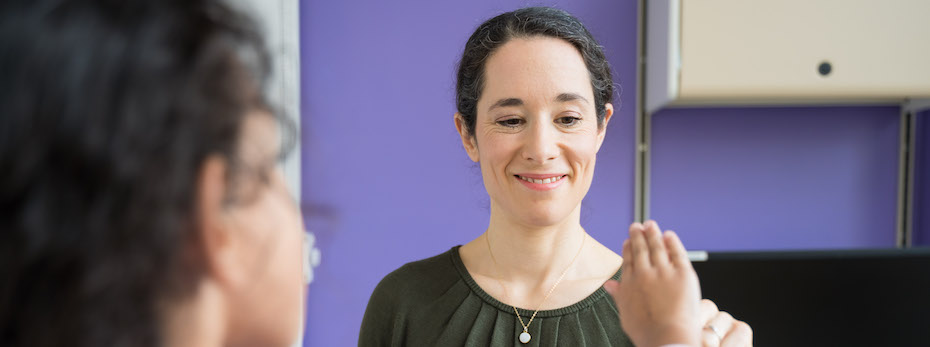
[{"x": 714, "y": 331}]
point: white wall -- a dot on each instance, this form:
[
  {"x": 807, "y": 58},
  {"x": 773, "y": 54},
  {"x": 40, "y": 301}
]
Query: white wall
[{"x": 279, "y": 23}]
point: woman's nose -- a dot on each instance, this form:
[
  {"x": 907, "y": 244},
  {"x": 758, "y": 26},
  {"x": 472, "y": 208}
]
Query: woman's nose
[{"x": 541, "y": 143}]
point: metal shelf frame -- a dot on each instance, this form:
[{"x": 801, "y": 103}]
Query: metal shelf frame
[{"x": 906, "y": 149}]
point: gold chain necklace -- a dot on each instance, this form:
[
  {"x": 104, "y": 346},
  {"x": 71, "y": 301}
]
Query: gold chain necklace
[{"x": 525, "y": 335}]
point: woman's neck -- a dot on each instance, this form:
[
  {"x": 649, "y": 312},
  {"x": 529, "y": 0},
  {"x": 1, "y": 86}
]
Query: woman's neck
[
  {"x": 195, "y": 321},
  {"x": 530, "y": 252}
]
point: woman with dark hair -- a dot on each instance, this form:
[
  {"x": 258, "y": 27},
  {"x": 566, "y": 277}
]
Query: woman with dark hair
[
  {"x": 533, "y": 97},
  {"x": 140, "y": 204}
]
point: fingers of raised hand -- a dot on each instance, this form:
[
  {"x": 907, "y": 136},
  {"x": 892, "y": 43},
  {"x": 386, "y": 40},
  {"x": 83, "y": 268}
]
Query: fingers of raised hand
[
  {"x": 677, "y": 253},
  {"x": 639, "y": 247},
  {"x": 629, "y": 257},
  {"x": 658, "y": 256}
]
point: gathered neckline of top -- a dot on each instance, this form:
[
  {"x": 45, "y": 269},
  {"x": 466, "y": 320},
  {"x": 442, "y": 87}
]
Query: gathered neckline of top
[{"x": 475, "y": 288}]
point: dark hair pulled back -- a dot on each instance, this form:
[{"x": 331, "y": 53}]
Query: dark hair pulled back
[{"x": 524, "y": 23}]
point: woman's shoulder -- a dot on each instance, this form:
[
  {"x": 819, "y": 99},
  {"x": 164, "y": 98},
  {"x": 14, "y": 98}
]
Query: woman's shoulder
[
  {"x": 420, "y": 278},
  {"x": 405, "y": 291}
]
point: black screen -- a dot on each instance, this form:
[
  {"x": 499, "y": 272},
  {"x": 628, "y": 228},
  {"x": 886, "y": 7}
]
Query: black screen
[{"x": 824, "y": 298}]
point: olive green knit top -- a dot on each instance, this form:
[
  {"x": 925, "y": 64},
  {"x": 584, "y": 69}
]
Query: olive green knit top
[{"x": 436, "y": 302}]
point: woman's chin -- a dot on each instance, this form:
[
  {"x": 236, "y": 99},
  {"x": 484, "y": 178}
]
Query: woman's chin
[{"x": 546, "y": 217}]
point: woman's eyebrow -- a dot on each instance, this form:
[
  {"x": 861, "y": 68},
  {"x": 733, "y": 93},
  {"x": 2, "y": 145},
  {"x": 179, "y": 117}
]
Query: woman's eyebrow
[
  {"x": 506, "y": 103},
  {"x": 566, "y": 97}
]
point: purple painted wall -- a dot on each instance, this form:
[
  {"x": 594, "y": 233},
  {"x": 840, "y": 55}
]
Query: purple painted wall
[
  {"x": 777, "y": 178},
  {"x": 385, "y": 179}
]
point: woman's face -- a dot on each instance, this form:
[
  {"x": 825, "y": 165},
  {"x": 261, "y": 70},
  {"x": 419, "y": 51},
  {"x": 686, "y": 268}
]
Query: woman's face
[
  {"x": 536, "y": 133},
  {"x": 266, "y": 303}
]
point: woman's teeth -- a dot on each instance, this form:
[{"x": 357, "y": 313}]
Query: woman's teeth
[{"x": 541, "y": 181}]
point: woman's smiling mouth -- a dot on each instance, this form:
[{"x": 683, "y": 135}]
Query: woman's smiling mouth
[{"x": 541, "y": 181}]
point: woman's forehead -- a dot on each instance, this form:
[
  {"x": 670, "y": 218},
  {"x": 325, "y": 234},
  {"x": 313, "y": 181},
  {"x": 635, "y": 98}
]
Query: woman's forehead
[{"x": 535, "y": 67}]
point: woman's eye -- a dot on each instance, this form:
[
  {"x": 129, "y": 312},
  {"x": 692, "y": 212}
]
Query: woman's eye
[
  {"x": 568, "y": 120},
  {"x": 512, "y": 122}
]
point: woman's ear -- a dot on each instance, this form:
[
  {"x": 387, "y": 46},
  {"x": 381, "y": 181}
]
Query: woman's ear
[
  {"x": 602, "y": 132},
  {"x": 217, "y": 245},
  {"x": 468, "y": 141}
]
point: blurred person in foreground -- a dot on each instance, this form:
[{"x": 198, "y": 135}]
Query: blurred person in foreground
[{"x": 140, "y": 203}]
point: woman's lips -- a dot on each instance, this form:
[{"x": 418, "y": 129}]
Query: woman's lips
[{"x": 541, "y": 182}]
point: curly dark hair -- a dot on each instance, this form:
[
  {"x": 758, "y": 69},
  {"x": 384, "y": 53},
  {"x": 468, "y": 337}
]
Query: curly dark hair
[
  {"x": 108, "y": 109},
  {"x": 528, "y": 22}
]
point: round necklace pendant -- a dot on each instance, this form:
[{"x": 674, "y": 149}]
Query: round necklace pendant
[{"x": 524, "y": 337}]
